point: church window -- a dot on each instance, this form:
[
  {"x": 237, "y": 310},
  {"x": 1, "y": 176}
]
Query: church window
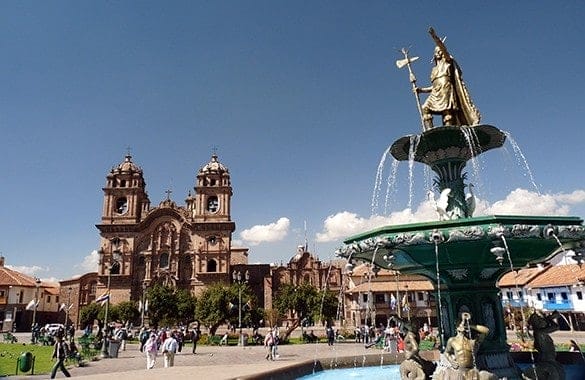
[
  {"x": 212, "y": 240},
  {"x": 115, "y": 269},
  {"x": 212, "y": 204},
  {"x": 92, "y": 288},
  {"x": 123, "y": 183},
  {"x": 141, "y": 261},
  {"x": 212, "y": 182},
  {"x": 164, "y": 260},
  {"x": 211, "y": 265}
]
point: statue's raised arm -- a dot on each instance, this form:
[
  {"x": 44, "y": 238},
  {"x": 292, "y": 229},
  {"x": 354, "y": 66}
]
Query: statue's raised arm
[{"x": 440, "y": 44}]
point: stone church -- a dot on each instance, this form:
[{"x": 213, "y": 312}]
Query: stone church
[
  {"x": 186, "y": 246},
  {"x": 183, "y": 246}
]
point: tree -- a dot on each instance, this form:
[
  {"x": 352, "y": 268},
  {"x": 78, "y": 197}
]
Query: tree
[
  {"x": 88, "y": 314},
  {"x": 186, "y": 304},
  {"x": 168, "y": 306},
  {"x": 219, "y": 303},
  {"x": 128, "y": 312},
  {"x": 302, "y": 302}
]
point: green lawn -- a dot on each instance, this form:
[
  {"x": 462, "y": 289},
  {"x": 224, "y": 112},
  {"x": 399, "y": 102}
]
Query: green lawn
[{"x": 9, "y": 353}]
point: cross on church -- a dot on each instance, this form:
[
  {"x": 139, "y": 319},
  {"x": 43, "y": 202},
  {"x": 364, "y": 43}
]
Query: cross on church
[{"x": 168, "y": 191}]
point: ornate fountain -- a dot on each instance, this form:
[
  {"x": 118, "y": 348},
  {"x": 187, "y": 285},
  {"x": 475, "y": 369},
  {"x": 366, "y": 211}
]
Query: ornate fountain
[{"x": 464, "y": 256}]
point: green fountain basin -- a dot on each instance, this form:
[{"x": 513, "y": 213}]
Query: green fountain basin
[{"x": 463, "y": 247}]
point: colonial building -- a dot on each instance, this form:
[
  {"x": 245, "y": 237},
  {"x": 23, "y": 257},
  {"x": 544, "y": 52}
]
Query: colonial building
[
  {"x": 374, "y": 295},
  {"x": 19, "y": 294},
  {"x": 187, "y": 246}
]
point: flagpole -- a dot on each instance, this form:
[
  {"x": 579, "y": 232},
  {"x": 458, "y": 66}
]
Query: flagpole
[
  {"x": 104, "y": 353},
  {"x": 34, "y": 318}
]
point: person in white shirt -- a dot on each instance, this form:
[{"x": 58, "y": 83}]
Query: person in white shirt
[{"x": 169, "y": 349}]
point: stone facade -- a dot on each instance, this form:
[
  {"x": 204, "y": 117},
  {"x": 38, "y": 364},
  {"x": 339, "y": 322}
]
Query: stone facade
[{"x": 186, "y": 246}]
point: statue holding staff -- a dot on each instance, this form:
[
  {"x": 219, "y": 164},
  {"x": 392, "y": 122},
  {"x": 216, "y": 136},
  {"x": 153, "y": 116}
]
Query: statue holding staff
[{"x": 448, "y": 95}]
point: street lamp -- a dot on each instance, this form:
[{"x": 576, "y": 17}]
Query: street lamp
[
  {"x": 67, "y": 308},
  {"x": 143, "y": 308},
  {"x": 116, "y": 258},
  {"x": 32, "y": 327},
  {"x": 237, "y": 277}
]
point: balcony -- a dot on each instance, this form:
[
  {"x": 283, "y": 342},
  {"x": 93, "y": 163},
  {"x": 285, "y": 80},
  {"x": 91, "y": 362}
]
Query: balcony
[
  {"x": 557, "y": 305},
  {"x": 514, "y": 303}
]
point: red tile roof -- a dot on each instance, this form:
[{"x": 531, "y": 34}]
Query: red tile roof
[
  {"x": 560, "y": 275},
  {"x": 9, "y": 277},
  {"x": 520, "y": 278}
]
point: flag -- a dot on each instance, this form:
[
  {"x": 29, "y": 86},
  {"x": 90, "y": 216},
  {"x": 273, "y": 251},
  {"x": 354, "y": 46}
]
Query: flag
[
  {"x": 405, "y": 305},
  {"x": 103, "y": 298},
  {"x": 31, "y": 305},
  {"x": 392, "y": 302}
]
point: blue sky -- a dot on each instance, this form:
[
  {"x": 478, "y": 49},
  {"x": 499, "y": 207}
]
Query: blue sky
[{"x": 300, "y": 98}]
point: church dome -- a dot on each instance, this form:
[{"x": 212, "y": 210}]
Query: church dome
[
  {"x": 127, "y": 166},
  {"x": 213, "y": 167}
]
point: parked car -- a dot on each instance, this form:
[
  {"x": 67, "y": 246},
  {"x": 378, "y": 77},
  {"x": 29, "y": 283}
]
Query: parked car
[{"x": 52, "y": 328}]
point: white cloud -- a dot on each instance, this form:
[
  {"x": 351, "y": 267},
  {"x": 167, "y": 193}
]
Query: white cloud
[
  {"x": 32, "y": 271},
  {"x": 519, "y": 202},
  {"x": 266, "y": 233},
  {"x": 524, "y": 202},
  {"x": 89, "y": 263}
]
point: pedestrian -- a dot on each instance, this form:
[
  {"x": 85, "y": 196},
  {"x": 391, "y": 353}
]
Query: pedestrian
[
  {"x": 150, "y": 348},
  {"x": 60, "y": 352},
  {"x": 169, "y": 349},
  {"x": 195, "y": 335},
  {"x": 143, "y": 336},
  {"x": 330, "y": 335},
  {"x": 268, "y": 344}
]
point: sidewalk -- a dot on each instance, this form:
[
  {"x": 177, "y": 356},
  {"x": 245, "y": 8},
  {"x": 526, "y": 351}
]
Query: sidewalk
[
  {"x": 217, "y": 362},
  {"x": 222, "y": 363}
]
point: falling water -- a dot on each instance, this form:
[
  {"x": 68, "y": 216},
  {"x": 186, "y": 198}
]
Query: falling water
[
  {"x": 439, "y": 294},
  {"x": 521, "y": 158},
  {"x": 524, "y": 323},
  {"x": 474, "y": 146},
  {"x": 378, "y": 181},
  {"x": 414, "y": 139},
  {"x": 391, "y": 185}
]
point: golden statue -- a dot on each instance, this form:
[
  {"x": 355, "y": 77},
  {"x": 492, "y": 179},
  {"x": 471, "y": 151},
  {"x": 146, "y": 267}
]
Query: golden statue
[
  {"x": 460, "y": 353},
  {"x": 448, "y": 95}
]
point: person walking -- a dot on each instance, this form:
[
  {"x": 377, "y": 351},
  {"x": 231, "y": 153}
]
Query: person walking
[
  {"x": 60, "y": 353},
  {"x": 195, "y": 335},
  {"x": 169, "y": 349},
  {"x": 269, "y": 344},
  {"x": 150, "y": 349}
]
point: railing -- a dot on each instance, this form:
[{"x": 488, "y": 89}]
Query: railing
[{"x": 557, "y": 305}]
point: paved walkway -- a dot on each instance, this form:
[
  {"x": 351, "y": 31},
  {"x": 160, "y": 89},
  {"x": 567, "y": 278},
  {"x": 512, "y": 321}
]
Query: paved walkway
[
  {"x": 222, "y": 363},
  {"x": 217, "y": 362}
]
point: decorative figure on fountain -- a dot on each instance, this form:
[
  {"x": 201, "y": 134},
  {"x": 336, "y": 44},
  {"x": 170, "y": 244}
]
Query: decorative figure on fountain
[
  {"x": 545, "y": 366},
  {"x": 460, "y": 353},
  {"x": 414, "y": 367},
  {"x": 448, "y": 95}
]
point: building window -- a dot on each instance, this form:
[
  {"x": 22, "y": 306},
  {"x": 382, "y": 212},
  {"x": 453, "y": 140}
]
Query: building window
[
  {"x": 48, "y": 299},
  {"x": 564, "y": 296},
  {"x": 365, "y": 297},
  {"x": 421, "y": 296},
  {"x": 579, "y": 295},
  {"x": 212, "y": 204},
  {"x": 211, "y": 266},
  {"x": 550, "y": 296},
  {"x": 115, "y": 269},
  {"x": 380, "y": 298},
  {"x": 539, "y": 296},
  {"x": 164, "y": 260}
]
